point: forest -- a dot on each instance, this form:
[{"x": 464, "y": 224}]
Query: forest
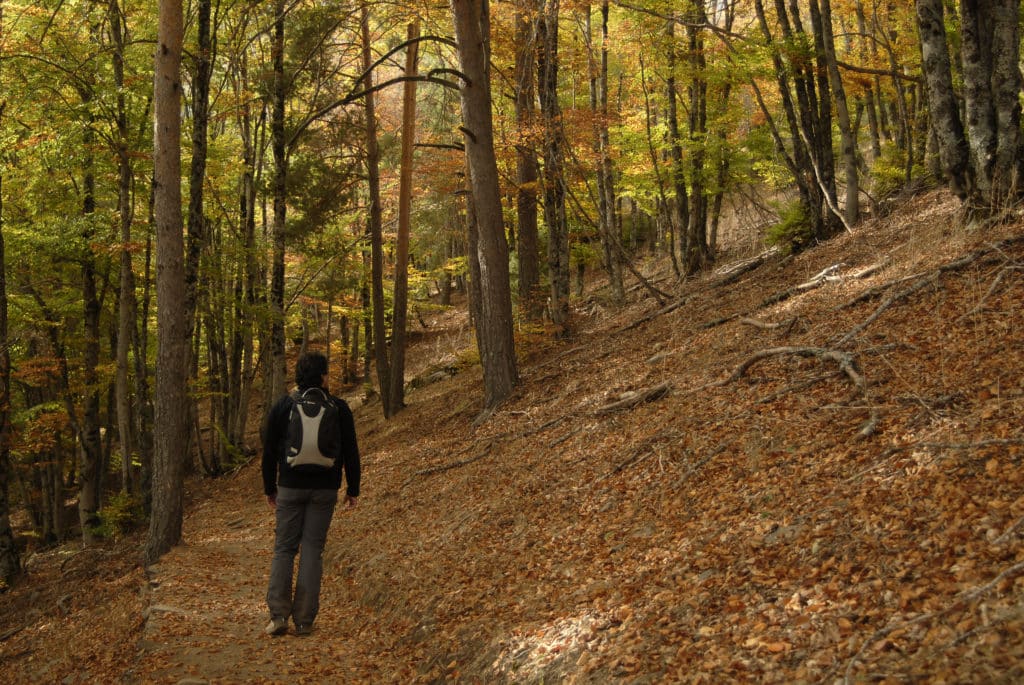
[{"x": 192, "y": 192}]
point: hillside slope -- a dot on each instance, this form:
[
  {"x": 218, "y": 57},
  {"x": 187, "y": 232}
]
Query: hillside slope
[{"x": 770, "y": 480}]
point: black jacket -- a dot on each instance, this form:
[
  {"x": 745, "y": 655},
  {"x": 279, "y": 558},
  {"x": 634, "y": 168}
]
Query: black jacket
[{"x": 276, "y": 470}]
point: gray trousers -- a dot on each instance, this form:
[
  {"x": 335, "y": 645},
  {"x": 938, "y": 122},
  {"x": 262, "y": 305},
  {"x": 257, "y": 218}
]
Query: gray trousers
[{"x": 303, "y": 517}]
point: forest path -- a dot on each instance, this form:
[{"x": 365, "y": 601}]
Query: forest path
[{"x": 207, "y": 606}]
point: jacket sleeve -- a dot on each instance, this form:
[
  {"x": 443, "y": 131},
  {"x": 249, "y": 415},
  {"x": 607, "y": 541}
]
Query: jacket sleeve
[
  {"x": 350, "y": 451},
  {"x": 273, "y": 442}
]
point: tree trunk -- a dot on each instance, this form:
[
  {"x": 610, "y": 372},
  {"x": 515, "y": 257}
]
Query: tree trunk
[
  {"x": 610, "y": 235},
  {"x": 10, "y": 564},
  {"x": 942, "y": 104},
  {"x": 992, "y": 83},
  {"x": 198, "y": 232},
  {"x": 276, "y": 359},
  {"x": 127, "y": 307},
  {"x": 170, "y": 429},
  {"x": 527, "y": 171},
  {"x": 697, "y": 254},
  {"x": 496, "y": 346},
  {"x": 401, "y": 298},
  {"x": 554, "y": 179},
  {"x": 851, "y": 209},
  {"x": 375, "y": 227},
  {"x": 89, "y": 437},
  {"x": 681, "y": 205}
]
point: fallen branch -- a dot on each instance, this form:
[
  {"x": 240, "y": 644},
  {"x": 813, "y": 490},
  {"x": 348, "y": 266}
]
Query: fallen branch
[
  {"x": 959, "y": 601},
  {"x": 732, "y": 272},
  {"x": 635, "y": 397},
  {"x": 889, "y": 301},
  {"x": 824, "y": 276},
  {"x": 757, "y": 323},
  {"x": 844, "y": 360},
  {"x": 650, "y": 317},
  {"x": 991, "y": 289},
  {"x": 454, "y": 464}
]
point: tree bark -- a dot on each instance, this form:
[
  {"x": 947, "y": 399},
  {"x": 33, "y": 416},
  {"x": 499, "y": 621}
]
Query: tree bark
[
  {"x": 170, "y": 429},
  {"x": 496, "y": 346},
  {"x": 610, "y": 234},
  {"x": 10, "y": 564},
  {"x": 374, "y": 226},
  {"x": 848, "y": 137},
  {"x": 401, "y": 297},
  {"x": 989, "y": 52},
  {"x": 554, "y": 178},
  {"x": 276, "y": 361},
  {"x": 943, "y": 108},
  {"x": 527, "y": 170}
]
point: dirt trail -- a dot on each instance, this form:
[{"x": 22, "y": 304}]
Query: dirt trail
[{"x": 207, "y": 604}]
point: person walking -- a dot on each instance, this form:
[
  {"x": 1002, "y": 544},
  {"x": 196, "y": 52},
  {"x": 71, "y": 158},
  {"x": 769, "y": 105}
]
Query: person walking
[{"x": 309, "y": 443}]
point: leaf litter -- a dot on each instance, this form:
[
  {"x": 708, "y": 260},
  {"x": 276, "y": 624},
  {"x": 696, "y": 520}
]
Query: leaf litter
[{"x": 638, "y": 511}]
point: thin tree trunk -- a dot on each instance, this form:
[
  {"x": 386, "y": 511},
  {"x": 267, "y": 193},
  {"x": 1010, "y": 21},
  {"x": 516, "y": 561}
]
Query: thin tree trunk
[
  {"x": 127, "y": 307},
  {"x": 554, "y": 179},
  {"x": 397, "y": 385},
  {"x": 10, "y": 564},
  {"x": 527, "y": 171},
  {"x": 376, "y": 230},
  {"x": 279, "y": 185}
]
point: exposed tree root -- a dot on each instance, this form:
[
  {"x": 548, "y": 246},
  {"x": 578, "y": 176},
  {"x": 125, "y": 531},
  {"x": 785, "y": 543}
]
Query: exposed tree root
[{"x": 844, "y": 360}]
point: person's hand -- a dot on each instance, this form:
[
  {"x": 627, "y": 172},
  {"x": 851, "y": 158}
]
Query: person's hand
[
  {"x": 350, "y": 501},
  {"x": 272, "y": 500}
]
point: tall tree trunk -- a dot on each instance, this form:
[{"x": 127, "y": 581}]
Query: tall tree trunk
[
  {"x": 280, "y": 188},
  {"x": 496, "y": 345},
  {"x": 171, "y": 428},
  {"x": 554, "y": 177},
  {"x": 246, "y": 300},
  {"x": 944, "y": 111},
  {"x": 127, "y": 307},
  {"x": 681, "y": 205},
  {"x": 848, "y": 139},
  {"x": 401, "y": 298},
  {"x": 91, "y": 449},
  {"x": 610, "y": 235},
  {"x": 697, "y": 254},
  {"x": 198, "y": 234},
  {"x": 527, "y": 171},
  {"x": 10, "y": 564},
  {"x": 374, "y": 225}
]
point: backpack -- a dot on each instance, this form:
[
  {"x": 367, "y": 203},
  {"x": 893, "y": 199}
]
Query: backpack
[{"x": 313, "y": 440}]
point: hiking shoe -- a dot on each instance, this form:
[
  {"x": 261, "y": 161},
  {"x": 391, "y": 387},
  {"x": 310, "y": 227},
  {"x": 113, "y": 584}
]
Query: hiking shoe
[
  {"x": 278, "y": 626},
  {"x": 303, "y": 629}
]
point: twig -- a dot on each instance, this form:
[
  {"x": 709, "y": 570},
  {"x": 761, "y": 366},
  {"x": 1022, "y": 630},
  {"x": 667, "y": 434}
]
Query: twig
[
  {"x": 992, "y": 288},
  {"x": 844, "y": 360},
  {"x": 958, "y": 601},
  {"x": 889, "y": 301}
]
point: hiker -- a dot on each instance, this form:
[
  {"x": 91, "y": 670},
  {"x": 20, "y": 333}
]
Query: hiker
[{"x": 303, "y": 460}]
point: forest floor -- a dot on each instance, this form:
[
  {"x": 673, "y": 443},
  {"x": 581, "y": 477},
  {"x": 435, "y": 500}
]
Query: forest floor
[{"x": 770, "y": 479}]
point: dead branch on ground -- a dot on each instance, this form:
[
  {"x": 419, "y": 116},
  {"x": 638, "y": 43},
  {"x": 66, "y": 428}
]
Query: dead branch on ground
[
  {"x": 635, "y": 397},
  {"x": 960, "y": 601},
  {"x": 844, "y": 360}
]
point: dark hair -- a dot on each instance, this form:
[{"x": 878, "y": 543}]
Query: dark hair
[{"x": 310, "y": 370}]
